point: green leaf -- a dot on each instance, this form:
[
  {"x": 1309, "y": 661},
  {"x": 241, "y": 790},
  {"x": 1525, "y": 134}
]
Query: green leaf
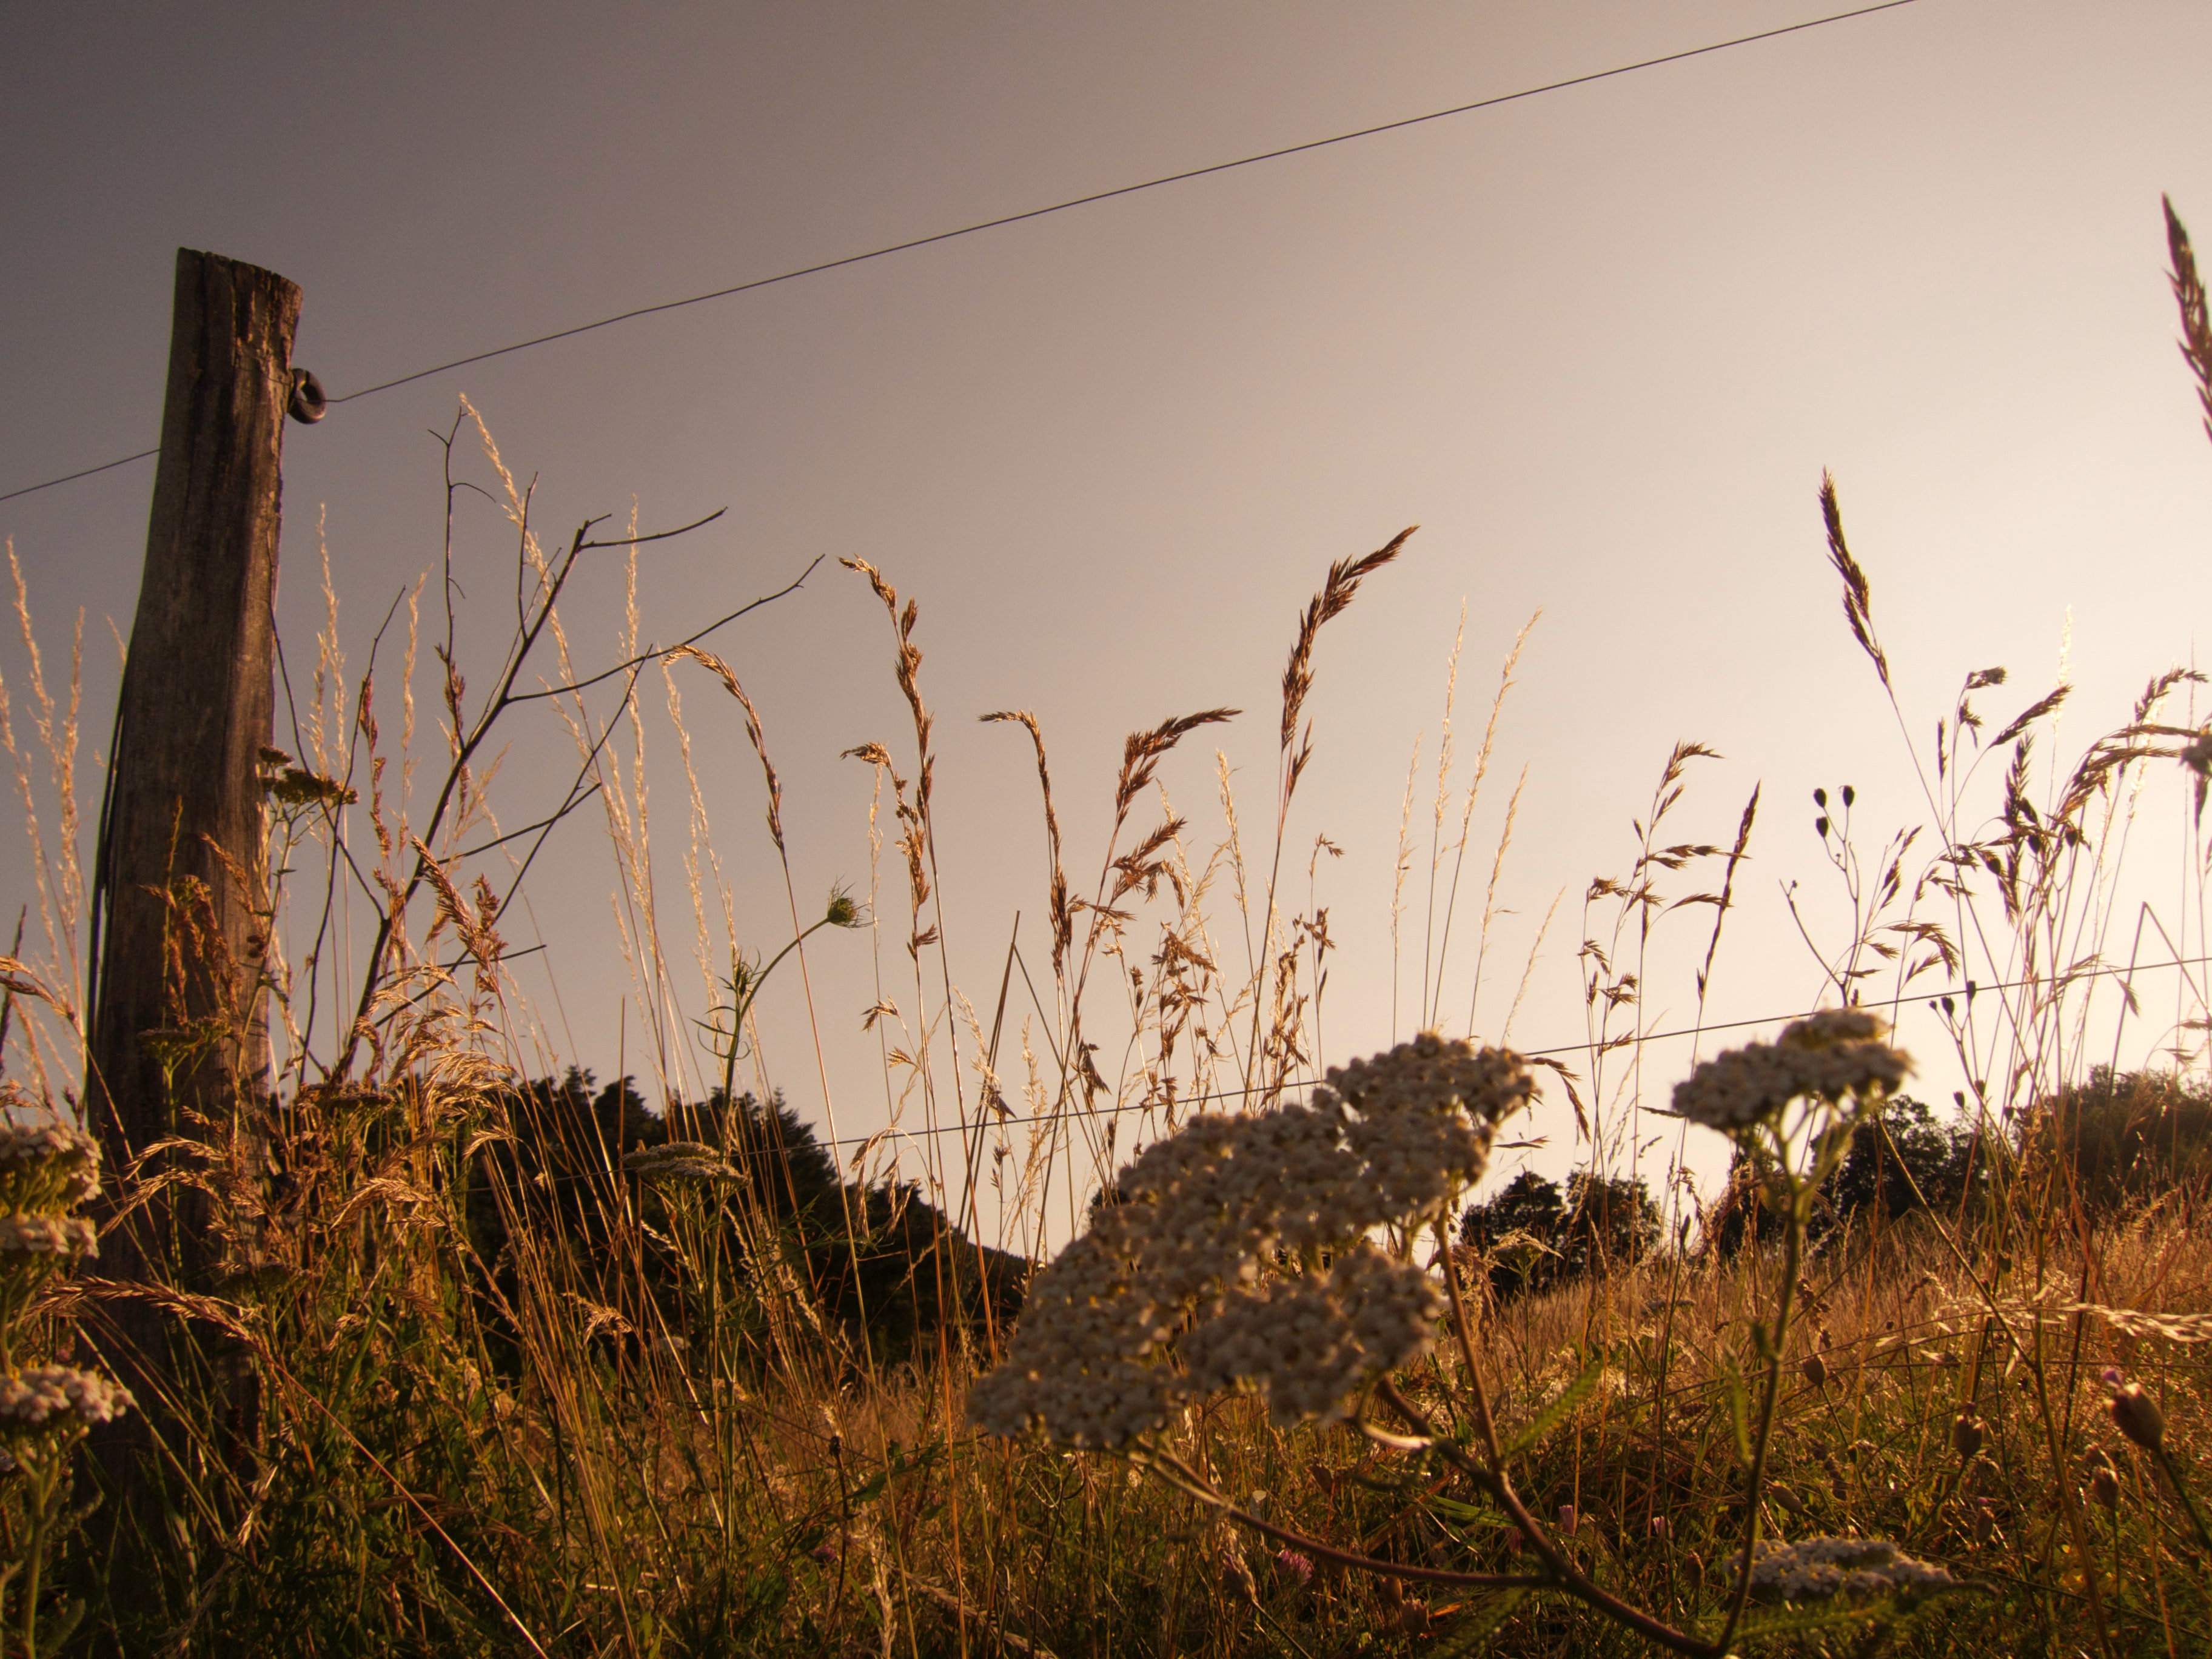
[
  {"x": 1452, "y": 1509},
  {"x": 1561, "y": 1408},
  {"x": 1476, "y": 1630},
  {"x": 1796, "y": 1620}
]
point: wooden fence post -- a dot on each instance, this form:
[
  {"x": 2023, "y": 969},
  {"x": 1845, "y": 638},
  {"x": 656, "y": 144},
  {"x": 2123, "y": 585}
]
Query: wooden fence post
[{"x": 178, "y": 925}]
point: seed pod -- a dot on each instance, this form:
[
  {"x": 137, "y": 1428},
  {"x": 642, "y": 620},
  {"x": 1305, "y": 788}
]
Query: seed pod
[
  {"x": 1985, "y": 1523},
  {"x": 1816, "y": 1370},
  {"x": 2136, "y": 1415},
  {"x": 1966, "y": 1437},
  {"x": 2105, "y": 1489}
]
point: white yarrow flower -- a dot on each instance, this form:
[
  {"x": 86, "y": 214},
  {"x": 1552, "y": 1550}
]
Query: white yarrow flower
[{"x": 42, "y": 1395}]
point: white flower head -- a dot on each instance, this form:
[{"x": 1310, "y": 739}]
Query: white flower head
[
  {"x": 1827, "y": 1057},
  {"x": 49, "y": 1396},
  {"x": 1187, "y": 1233},
  {"x": 1818, "y": 1567},
  {"x": 59, "y": 1235}
]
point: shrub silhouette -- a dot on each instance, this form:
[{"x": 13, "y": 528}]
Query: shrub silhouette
[
  {"x": 1880, "y": 1176},
  {"x": 2124, "y": 1140},
  {"x": 881, "y": 1262},
  {"x": 1537, "y": 1237}
]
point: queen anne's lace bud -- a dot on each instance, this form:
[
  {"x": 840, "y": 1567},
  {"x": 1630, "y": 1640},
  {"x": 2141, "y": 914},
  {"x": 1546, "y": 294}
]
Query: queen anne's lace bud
[
  {"x": 1825, "y": 1057},
  {"x": 45, "y": 1396},
  {"x": 1819, "y": 1567},
  {"x": 1196, "y": 1221}
]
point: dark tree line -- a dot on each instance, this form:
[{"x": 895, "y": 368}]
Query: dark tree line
[{"x": 2107, "y": 1148}]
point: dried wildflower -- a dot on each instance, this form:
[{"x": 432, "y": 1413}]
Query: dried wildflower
[
  {"x": 1825, "y": 1057},
  {"x": 1816, "y": 1567},
  {"x": 1202, "y": 1216},
  {"x": 1237, "y": 1580},
  {"x": 47, "y": 1395},
  {"x": 2136, "y": 1415}
]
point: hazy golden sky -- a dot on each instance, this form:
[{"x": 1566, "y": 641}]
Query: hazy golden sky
[{"x": 1600, "y": 345}]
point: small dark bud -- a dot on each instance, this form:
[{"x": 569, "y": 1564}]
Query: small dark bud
[
  {"x": 2136, "y": 1415},
  {"x": 1816, "y": 1370},
  {"x": 1849, "y": 794},
  {"x": 2104, "y": 1489},
  {"x": 1966, "y": 1437},
  {"x": 1821, "y": 799},
  {"x": 1820, "y": 828}
]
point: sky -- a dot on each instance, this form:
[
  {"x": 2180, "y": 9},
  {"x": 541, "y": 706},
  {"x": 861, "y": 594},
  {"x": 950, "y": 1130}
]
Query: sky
[{"x": 1600, "y": 345}]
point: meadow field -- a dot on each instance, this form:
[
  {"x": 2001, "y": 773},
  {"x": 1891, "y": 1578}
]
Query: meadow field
[{"x": 1197, "y": 1338}]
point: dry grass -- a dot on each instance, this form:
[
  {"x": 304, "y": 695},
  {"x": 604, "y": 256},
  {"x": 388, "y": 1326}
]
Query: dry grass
[{"x": 507, "y": 1394}]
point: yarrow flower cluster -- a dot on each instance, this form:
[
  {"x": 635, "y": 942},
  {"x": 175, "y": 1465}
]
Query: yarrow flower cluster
[
  {"x": 43, "y": 1165},
  {"x": 1825, "y": 1057},
  {"x": 1307, "y": 1343},
  {"x": 1187, "y": 1228},
  {"x": 48, "y": 1235},
  {"x": 1819, "y": 1567},
  {"x": 45, "y": 1396}
]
